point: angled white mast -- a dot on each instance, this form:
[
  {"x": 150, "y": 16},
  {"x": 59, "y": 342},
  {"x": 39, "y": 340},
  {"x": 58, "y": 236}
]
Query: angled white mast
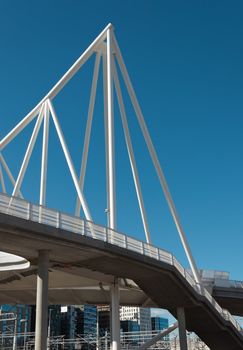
[
  {"x": 44, "y": 155},
  {"x": 132, "y": 157},
  {"x": 28, "y": 153},
  {"x": 69, "y": 162},
  {"x": 88, "y": 129},
  {"x": 8, "y": 172}
]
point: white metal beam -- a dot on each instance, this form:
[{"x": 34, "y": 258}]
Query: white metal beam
[
  {"x": 155, "y": 160},
  {"x": 104, "y": 61},
  {"x": 157, "y": 337},
  {"x": 69, "y": 162},
  {"x": 88, "y": 130},
  {"x": 57, "y": 88},
  {"x": 20, "y": 126},
  {"x": 110, "y": 132},
  {"x": 44, "y": 156},
  {"x": 131, "y": 157},
  {"x": 28, "y": 153},
  {"x": 8, "y": 172}
]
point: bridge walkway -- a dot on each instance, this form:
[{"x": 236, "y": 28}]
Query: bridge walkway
[{"x": 26, "y": 228}]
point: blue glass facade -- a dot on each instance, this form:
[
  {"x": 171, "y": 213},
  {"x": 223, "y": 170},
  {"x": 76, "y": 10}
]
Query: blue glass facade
[
  {"x": 86, "y": 320},
  {"x": 130, "y": 326},
  {"x": 23, "y": 314},
  {"x": 160, "y": 323},
  {"x": 90, "y": 319}
]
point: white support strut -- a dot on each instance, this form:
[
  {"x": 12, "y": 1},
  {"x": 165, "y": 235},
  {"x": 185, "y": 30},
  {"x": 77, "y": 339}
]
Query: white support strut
[
  {"x": 155, "y": 160},
  {"x": 57, "y": 88},
  {"x": 157, "y": 337},
  {"x": 44, "y": 156},
  {"x": 88, "y": 130},
  {"x": 28, "y": 153},
  {"x": 110, "y": 132},
  {"x": 69, "y": 162},
  {"x": 132, "y": 157},
  {"x": 104, "y": 60},
  {"x": 106, "y": 44},
  {"x": 8, "y": 172}
]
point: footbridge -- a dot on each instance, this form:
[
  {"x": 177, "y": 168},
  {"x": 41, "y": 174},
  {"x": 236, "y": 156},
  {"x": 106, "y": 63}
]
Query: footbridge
[
  {"x": 227, "y": 292},
  {"x": 75, "y": 245},
  {"x": 68, "y": 259}
]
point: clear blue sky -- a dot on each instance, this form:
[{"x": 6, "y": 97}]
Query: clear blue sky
[{"x": 185, "y": 59}]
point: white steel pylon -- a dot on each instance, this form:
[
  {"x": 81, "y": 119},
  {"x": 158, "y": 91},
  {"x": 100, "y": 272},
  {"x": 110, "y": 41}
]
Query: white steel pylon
[{"x": 105, "y": 47}]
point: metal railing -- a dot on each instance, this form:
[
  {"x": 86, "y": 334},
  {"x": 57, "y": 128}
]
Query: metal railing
[{"x": 23, "y": 209}]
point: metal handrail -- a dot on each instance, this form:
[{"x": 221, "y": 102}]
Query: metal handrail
[{"x": 21, "y": 208}]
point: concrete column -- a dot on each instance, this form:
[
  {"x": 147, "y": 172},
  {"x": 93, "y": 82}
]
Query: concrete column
[
  {"x": 42, "y": 301},
  {"x": 115, "y": 316},
  {"x": 182, "y": 328}
]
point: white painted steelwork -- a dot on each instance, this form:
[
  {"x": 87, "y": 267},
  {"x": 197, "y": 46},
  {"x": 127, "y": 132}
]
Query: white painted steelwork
[
  {"x": 104, "y": 45},
  {"x": 88, "y": 130}
]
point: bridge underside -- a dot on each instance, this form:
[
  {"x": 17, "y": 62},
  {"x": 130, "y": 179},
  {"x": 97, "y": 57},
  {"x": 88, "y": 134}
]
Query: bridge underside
[
  {"x": 86, "y": 261},
  {"x": 230, "y": 299},
  {"x": 69, "y": 285}
]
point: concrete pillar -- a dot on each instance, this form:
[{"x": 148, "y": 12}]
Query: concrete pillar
[
  {"x": 182, "y": 328},
  {"x": 115, "y": 316},
  {"x": 42, "y": 301}
]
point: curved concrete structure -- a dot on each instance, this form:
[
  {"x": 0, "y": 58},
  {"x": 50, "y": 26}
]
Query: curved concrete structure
[
  {"x": 85, "y": 250},
  {"x": 11, "y": 262}
]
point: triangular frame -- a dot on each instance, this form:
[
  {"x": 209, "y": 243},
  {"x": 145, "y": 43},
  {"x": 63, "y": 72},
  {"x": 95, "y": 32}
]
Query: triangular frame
[{"x": 104, "y": 45}]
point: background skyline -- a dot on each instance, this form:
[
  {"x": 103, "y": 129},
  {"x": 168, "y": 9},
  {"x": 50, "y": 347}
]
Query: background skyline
[{"x": 185, "y": 62}]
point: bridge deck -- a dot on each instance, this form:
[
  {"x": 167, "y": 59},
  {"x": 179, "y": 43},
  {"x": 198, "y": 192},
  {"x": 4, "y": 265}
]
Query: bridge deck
[{"x": 74, "y": 243}]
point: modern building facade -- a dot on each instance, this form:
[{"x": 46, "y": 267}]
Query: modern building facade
[
  {"x": 130, "y": 326},
  {"x": 86, "y": 320},
  {"x": 68, "y": 321},
  {"x": 159, "y": 323},
  {"x": 22, "y": 313},
  {"x": 104, "y": 319},
  {"x": 138, "y": 314}
]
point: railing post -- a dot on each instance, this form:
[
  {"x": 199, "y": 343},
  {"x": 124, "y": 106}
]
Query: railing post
[
  {"x": 143, "y": 250},
  {"x": 58, "y": 224},
  {"x": 125, "y": 241},
  {"x": 29, "y": 211},
  {"x": 199, "y": 288},
  {"x": 85, "y": 228}
]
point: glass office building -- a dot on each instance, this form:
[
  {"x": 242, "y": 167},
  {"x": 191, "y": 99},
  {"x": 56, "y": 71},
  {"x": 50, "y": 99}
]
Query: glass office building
[
  {"x": 159, "y": 323},
  {"x": 86, "y": 320}
]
